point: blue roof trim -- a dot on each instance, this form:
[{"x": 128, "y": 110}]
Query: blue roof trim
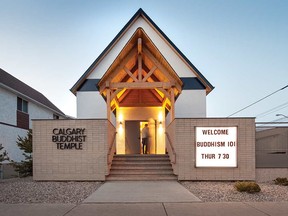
[
  {"x": 89, "y": 85},
  {"x": 140, "y": 12},
  {"x": 192, "y": 83},
  {"x": 189, "y": 83}
]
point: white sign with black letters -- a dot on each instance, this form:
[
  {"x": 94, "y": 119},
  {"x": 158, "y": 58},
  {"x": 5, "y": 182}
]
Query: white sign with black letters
[{"x": 216, "y": 146}]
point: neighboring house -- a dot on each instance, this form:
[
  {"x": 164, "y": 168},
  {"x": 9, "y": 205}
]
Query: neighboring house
[{"x": 19, "y": 103}]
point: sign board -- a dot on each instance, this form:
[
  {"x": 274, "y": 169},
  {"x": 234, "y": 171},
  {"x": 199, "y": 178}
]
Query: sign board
[
  {"x": 216, "y": 146},
  {"x": 69, "y": 138}
]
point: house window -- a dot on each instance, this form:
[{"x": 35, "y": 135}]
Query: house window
[{"x": 22, "y": 105}]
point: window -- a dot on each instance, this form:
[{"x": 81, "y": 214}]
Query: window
[
  {"x": 22, "y": 105},
  {"x": 55, "y": 116}
]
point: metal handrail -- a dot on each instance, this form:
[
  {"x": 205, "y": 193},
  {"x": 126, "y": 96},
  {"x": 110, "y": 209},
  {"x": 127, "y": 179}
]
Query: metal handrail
[{"x": 172, "y": 148}]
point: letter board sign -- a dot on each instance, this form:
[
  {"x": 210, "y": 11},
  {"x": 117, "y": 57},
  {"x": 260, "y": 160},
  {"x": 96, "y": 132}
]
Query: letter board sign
[{"x": 216, "y": 146}]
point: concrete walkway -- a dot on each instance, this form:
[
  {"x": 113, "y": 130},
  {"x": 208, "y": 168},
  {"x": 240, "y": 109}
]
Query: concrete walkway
[
  {"x": 161, "y": 198},
  {"x": 141, "y": 192}
]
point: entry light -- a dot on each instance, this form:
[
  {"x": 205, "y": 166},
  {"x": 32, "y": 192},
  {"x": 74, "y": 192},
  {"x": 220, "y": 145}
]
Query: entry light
[
  {"x": 120, "y": 123},
  {"x": 160, "y": 123}
]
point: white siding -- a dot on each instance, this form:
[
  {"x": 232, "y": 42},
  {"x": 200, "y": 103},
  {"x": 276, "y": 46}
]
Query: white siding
[
  {"x": 37, "y": 112},
  {"x": 8, "y": 115},
  {"x": 91, "y": 105},
  {"x": 8, "y": 107},
  {"x": 191, "y": 104},
  {"x": 8, "y": 138}
]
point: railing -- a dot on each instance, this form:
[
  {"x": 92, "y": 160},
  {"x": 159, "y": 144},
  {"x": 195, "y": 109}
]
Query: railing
[
  {"x": 111, "y": 150},
  {"x": 172, "y": 154}
]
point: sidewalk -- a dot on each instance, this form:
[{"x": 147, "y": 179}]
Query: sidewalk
[
  {"x": 159, "y": 198},
  {"x": 151, "y": 209}
]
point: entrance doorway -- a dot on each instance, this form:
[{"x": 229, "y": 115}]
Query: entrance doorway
[{"x": 133, "y": 139}]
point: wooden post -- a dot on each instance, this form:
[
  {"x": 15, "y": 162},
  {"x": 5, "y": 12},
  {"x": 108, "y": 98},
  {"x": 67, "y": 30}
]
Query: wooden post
[
  {"x": 172, "y": 99},
  {"x": 108, "y": 102},
  {"x": 139, "y": 46},
  {"x": 139, "y": 59}
]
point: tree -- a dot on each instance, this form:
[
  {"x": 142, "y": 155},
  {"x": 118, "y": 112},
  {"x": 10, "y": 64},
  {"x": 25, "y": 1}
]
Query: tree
[
  {"x": 4, "y": 155},
  {"x": 25, "y": 167}
]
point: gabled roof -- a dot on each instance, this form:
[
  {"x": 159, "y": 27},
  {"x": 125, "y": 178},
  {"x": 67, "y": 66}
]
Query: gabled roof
[
  {"x": 14, "y": 84},
  {"x": 141, "y": 13}
]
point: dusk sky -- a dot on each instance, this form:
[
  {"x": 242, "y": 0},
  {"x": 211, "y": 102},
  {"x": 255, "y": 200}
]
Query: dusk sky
[{"x": 241, "y": 46}]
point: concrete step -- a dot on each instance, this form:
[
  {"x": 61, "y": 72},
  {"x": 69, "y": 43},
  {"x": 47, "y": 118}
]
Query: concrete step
[
  {"x": 141, "y": 159},
  {"x": 141, "y": 172},
  {"x": 141, "y": 167},
  {"x": 142, "y": 155},
  {"x": 140, "y": 177},
  {"x": 141, "y": 162}
]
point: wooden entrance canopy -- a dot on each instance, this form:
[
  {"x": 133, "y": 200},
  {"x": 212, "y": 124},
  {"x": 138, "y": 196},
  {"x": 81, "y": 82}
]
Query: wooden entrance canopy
[{"x": 140, "y": 76}]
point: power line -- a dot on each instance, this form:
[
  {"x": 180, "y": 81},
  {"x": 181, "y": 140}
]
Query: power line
[
  {"x": 273, "y": 110},
  {"x": 258, "y": 101}
]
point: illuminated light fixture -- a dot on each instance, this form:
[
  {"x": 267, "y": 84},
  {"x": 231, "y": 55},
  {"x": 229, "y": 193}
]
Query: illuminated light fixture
[
  {"x": 120, "y": 123},
  {"x": 160, "y": 123}
]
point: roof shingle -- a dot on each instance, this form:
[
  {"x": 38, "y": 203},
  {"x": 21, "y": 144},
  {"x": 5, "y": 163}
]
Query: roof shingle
[{"x": 19, "y": 86}]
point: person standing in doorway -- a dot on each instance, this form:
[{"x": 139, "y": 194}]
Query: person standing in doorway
[{"x": 145, "y": 137}]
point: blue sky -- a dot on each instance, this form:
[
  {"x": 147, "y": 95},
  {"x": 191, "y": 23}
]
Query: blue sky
[{"x": 241, "y": 47}]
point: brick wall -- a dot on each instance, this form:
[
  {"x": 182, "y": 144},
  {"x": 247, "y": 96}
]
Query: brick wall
[
  {"x": 182, "y": 133},
  {"x": 90, "y": 163}
]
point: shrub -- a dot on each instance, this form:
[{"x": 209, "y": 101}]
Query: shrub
[
  {"x": 281, "y": 181},
  {"x": 249, "y": 187},
  {"x": 25, "y": 168},
  {"x": 3, "y": 155}
]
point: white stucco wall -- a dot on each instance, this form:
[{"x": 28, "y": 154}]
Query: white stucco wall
[
  {"x": 8, "y": 138},
  {"x": 91, "y": 105},
  {"x": 8, "y": 106},
  {"x": 38, "y": 112},
  {"x": 191, "y": 104},
  {"x": 174, "y": 60}
]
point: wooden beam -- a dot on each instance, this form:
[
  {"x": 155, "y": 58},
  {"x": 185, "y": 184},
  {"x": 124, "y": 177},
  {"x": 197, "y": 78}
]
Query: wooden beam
[
  {"x": 114, "y": 94},
  {"x": 110, "y": 76},
  {"x": 127, "y": 77},
  {"x": 139, "y": 46},
  {"x": 149, "y": 74},
  {"x": 124, "y": 95},
  {"x": 139, "y": 67},
  {"x": 167, "y": 95},
  {"x": 141, "y": 85},
  {"x": 157, "y": 95},
  {"x": 130, "y": 74},
  {"x": 153, "y": 77},
  {"x": 161, "y": 67}
]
